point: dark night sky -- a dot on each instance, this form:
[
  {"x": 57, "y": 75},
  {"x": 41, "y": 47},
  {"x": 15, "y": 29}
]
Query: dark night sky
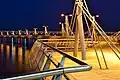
[{"x": 20, "y": 14}]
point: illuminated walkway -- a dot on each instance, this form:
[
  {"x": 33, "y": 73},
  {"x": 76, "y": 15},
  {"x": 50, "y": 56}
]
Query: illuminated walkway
[{"x": 113, "y": 73}]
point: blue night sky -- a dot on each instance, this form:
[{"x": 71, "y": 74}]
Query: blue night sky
[{"x": 21, "y": 14}]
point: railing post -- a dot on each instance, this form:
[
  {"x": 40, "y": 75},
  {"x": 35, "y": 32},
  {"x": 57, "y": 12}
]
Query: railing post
[
  {"x": 61, "y": 64},
  {"x": 47, "y": 64},
  {"x": 41, "y": 59}
]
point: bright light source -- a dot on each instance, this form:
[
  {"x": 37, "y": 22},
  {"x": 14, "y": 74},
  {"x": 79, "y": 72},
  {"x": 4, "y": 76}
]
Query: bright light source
[
  {"x": 60, "y": 23},
  {"x": 70, "y": 15},
  {"x": 97, "y": 15},
  {"x": 62, "y": 15}
]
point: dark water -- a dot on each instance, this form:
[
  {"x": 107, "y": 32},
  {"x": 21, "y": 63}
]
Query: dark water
[{"x": 13, "y": 56}]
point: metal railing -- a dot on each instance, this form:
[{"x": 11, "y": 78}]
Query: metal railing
[
  {"x": 66, "y": 44},
  {"x": 40, "y": 61}
]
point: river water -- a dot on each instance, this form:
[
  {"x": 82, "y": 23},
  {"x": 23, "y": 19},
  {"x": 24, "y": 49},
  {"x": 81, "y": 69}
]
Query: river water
[{"x": 13, "y": 56}]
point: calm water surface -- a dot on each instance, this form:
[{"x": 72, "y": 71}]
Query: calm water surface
[{"x": 13, "y": 56}]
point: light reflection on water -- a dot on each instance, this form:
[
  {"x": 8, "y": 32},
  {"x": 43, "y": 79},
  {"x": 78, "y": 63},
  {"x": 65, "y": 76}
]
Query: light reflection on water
[
  {"x": 1, "y": 48},
  {"x": 8, "y": 51},
  {"x": 13, "y": 57}
]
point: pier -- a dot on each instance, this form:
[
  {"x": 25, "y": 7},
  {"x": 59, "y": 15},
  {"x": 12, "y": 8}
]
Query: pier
[{"x": 68, "y": 54}]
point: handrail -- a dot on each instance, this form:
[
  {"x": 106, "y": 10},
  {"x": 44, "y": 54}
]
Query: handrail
[
  {"x": 52, "y": 72},
  {"x": 59, "y": 71},
  {"x": 66, "y": 55}
]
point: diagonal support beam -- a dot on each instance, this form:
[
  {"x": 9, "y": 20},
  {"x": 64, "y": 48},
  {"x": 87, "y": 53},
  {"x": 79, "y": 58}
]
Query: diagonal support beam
[
  {"x": 48, "y": 62},
  {"x": 61, "y": 64}
]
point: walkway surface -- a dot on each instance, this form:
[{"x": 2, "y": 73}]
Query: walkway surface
[{"x": 113, "y": 63}]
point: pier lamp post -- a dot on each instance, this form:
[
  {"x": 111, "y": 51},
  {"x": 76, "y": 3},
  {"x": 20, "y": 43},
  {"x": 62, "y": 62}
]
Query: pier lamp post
[
  {"x": 1, "y": 33},
  {"x": 13, "y": 32},
  {"x": 35, "y": 31},
  {"x": 96, "y": 17},
  {"x": 19, "y": 32},
  {"x": 94, "y": 37},
  {"x": 26, "y": 32},
  {"x": 7, "y": 33},
  {"x": 67, "y": 27},
  {"x": 19, "y": 39},
  {"x": 93, "y": 29},
  {"x": 62, "y": 28},
  {"x": 79, "y": 33},
  {"x": 45, "y": 30}
]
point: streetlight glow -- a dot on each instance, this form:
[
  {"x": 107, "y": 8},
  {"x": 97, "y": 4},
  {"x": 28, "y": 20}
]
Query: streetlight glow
[
  {"x": 70, "y": 15},
  {"x": 62, "y": 15},
  {"x": 97, "y": 15},
  {"x": 60, "y": 23}
]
